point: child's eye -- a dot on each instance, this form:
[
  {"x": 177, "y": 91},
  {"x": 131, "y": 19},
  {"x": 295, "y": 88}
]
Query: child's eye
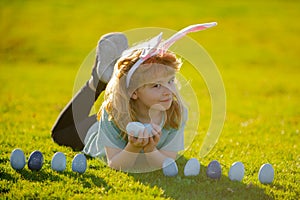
[
  {"x": 171, "y": 81},
  {"x": 157, "y": 85}
]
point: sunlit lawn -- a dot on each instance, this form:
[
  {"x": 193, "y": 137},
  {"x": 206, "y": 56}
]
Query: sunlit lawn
[{"x": 255, "y": 46}]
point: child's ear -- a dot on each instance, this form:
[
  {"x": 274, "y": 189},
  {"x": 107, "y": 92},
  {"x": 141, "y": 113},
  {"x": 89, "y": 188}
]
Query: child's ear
[{"x": 134, "y": 95}]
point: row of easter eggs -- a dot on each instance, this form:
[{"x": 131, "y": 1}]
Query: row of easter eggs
[
  {"x": 192, "y": 167},
  {"x": 36, "y": 161},
  {"x": 214, "y": 170}
]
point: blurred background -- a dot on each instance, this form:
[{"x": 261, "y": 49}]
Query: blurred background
[{"x": 249, "y": 34}]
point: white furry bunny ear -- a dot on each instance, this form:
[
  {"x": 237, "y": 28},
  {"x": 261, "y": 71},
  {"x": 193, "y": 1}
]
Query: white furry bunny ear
[
  {"x": 155, "y": 46},
  {"x": 192, "y": 28}
]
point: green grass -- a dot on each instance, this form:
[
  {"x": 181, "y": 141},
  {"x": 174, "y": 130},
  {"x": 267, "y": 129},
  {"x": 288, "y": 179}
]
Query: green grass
[{"x": 255, "y": 45}]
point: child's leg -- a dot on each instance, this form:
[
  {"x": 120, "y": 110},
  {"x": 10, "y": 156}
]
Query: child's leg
[{"x": 74, "y": 121}]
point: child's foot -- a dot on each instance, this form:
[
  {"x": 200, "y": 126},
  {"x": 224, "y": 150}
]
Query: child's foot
[{"x": 109, "y": 50}]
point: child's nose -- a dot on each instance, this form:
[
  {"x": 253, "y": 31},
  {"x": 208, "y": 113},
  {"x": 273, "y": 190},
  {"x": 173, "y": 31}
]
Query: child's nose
[{"x": 166, "y": 91}]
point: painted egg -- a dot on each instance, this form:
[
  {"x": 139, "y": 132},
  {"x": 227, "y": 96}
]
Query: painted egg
[
  {"x": 236, "y": 171},
  {"x": 134, "y": 128},
  {"x": 79, "y": 163},
  {"x": 192, "y": 167},
  {"x": 170, "y": 167},
  {"x": 17, "y": 159},
  {"x": 214, "y": 170},
  {"x": 35, "y": 161},
  {"x": 149, "y": 128},
  {"x": 58, "y": 162},
  {"x": 266, "y": 174}
]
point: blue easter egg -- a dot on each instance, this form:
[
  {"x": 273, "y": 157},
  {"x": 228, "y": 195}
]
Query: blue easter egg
[
  {"x": 35, "y": 161},
  {"x": 17, "y": 159},
  {"x": 149, "y": 128},
  {"x": 192, "y": 167},
  {"x": 214, "y": 170},
  {"x": 236, "y": 171},
  {"x": 266, "y": 174},
  {"x": 58, "y": 162},
  {"x": 170, "y": 167},
  {"x": 79, "y": 163}
]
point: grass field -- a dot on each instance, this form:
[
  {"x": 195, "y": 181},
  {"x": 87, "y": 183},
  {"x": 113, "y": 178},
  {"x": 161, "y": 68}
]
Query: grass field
[{"x": 255, "y": 45}]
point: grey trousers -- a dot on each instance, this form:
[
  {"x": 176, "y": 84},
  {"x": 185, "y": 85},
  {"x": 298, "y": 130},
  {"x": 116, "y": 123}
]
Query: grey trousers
[{"x": 74, "y": 121}]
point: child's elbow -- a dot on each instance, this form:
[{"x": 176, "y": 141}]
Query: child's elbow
[
  {"x": 118, "y": 166},
  {"x": 110, "y": 164},
  {"x": 114, "y": 165}
]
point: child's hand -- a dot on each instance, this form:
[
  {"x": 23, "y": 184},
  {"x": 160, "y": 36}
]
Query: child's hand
[
  {"x": 139, "y": 142},
  {"x": 151, "y": 145}
]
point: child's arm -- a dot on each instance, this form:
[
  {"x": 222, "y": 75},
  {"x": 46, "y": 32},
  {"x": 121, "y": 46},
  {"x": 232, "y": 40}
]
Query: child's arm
[
  {"x": 123, "y": 159},
  {"x": 157, "y": 157},
  {"x": 154, "y": 156}
]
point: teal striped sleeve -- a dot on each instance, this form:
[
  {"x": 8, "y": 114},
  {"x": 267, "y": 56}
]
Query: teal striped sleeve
[{"x": 103, "y": 134}]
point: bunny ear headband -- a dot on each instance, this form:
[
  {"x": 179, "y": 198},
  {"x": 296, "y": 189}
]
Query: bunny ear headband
[{"x": 156, "y": 46}]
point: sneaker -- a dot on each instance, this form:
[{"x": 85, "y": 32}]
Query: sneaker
[{"x": 109, "y": 50}]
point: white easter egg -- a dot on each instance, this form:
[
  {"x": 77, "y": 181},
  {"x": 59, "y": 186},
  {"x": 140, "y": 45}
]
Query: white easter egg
[
  {"x": 149, "y": 128},
  {"x": 79, "y": 163},
  {"x": 192, "y": 167},
  {"x": 58, "y": 162},
  {"x": 170, "y": 167},
  {"x": 17, "y": 159},
  {"x": 134, "y": 128},
  {"x": 236, "y": 171},
  {"x": 266, "y": 174}
]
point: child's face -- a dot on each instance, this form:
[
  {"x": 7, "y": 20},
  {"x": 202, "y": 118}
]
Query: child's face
[{"x": 156, "y": 95}]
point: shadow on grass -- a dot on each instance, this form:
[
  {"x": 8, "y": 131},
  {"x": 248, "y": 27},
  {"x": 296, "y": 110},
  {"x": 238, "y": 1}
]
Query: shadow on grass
[
  {"x": 88, "y": 180},
  {"x": 199, "y": 187},
  {"x": 38, "y": 176},
  {"x": 6, "y": 176}
]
